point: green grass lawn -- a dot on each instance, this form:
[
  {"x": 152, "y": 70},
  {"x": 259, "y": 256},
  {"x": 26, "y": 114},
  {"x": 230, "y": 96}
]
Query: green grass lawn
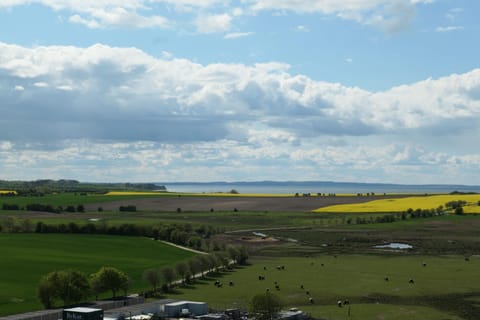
[
  {"x": 440, "y": 288},
  {"x": 26, "y": 257}
]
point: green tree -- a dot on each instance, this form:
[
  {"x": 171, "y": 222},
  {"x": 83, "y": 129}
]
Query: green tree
[
  {"x": 459, "y": 210},
  {"x": 95, "y": 285},
  {"x": 194, "y": 266},
  {"x": 168, "y": 275},
  {"x": 70, "y": 286},
  {"x": 46, "y": 291},
  {"x": 182, "y": 270},
  {"x": 233, "y": 253},
  {"x": 111, "y": 279},
  {"x": 73, "y": 286},
  {"x": 153, "y": 277},
  {"x": 242, "y": 255},
  {"x": 204, "y": 264},
  {"x": 265, "y": 306}
]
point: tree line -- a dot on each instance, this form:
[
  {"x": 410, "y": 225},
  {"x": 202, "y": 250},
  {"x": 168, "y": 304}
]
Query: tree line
[
  {"x": 72, "y": 286},
  {"x": 198, "y": 237},
  {"x": 43, "y": 207},
  {"x": 47, "y": 186}
]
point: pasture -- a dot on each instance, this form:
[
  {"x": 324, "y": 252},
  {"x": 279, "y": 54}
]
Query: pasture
[
  {"x": 27, "y": 257},
  {"x": 443, "y": 242},
  {"x": 402, "y": 204},
  {"x": 445, "y": 288}
]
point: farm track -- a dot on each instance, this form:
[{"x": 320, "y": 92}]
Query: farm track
[{"x": 225, "y": 203}]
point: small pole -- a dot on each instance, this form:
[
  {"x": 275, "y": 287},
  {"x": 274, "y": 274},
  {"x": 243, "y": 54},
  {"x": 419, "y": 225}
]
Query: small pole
[{"x": 349, "y": 311}]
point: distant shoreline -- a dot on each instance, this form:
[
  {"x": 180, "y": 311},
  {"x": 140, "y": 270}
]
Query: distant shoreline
[{"x": 285, "y": 187}]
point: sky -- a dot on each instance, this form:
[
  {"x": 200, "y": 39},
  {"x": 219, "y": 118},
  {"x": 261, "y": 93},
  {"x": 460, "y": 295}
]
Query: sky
[{"x": 246, "y": 90}]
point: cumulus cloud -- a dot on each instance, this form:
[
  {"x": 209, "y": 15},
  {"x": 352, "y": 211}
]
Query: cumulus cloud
[
  {"x": 302, "y": 28},
  {"x": 388, "y": 15},
  {"x": 102, "y": 88},
  {"x": 449, "y": 28},
  {"x": 101, "y": 102},
  {"x": 216, "y": 15},
  {"x": 104, "y": 13},
  {"x": 236, "y": 35},
  {"x": 213, "y": 23}
]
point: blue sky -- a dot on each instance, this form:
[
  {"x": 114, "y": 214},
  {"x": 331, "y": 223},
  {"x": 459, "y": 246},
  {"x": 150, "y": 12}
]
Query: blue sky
[{"x": 207, "y": 90}]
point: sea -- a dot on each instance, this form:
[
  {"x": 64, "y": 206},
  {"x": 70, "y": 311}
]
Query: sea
[{"x": 327, "y": 187}]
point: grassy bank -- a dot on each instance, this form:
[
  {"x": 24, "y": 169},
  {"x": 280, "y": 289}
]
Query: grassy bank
[
  {"x": 440, "y": 289},
  {"x": 27, "y": 257}
]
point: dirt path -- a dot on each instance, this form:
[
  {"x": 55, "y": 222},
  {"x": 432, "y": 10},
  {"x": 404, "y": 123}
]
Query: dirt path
[{"x": 183, "y": 248}]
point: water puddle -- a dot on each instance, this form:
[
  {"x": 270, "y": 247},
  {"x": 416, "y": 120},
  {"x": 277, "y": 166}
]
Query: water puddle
[{"x": 394, "y": 245}]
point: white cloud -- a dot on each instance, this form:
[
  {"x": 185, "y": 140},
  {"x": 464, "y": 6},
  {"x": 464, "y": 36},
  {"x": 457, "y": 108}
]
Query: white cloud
[
  {"x": 213, "y": 23},
  {"x": 301, "y": 28},
  {"x": 103, "y": 105},
  {"x": 452, "y": 14},
  {"x": 104, "y": 13},
  {"x": 236, "y": 35},
  {"x": 41, "y": 84},
  {"x": 167, "y": 55},
  {"x": 388, "y": 15},
  {"x": 18, "y": 88},
  {"x": 449, "y": 28}
]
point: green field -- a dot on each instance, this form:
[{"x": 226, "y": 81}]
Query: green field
[
  {"x": 447, "y": 282},
  {"x": 70, "y": 198},
  {"x": 26, "y": 257},
  {"x": 443, "y": 289}
]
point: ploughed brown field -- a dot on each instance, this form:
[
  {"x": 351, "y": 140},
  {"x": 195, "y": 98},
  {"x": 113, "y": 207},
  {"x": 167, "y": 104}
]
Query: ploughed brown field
[{"x": 244, "y": 203}]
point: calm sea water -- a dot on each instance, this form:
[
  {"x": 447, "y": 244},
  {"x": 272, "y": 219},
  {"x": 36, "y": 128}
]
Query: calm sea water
[{"x": 312, "y": 187}]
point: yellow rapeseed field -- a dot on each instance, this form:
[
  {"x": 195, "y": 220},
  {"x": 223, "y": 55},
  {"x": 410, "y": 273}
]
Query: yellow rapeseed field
[
  {"x": 403, "y": 204},
  {"x": 7, "y": 191}
]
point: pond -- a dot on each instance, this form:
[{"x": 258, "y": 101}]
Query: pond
[{"x": 394, "y": 245}]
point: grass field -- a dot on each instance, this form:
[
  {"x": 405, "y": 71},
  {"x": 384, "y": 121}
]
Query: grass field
[
  {"x": 26, "y": 257},
  {"x": 441, "y": 290},
  {"x": 402, "y": 204}
]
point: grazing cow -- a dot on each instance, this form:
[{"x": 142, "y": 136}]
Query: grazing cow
[
  {"x": 346, "y": 302},
  {"x": 322, "y": 264},
  {"x": 277, "y": 287},
  {"x": 339, "y": 303},
  {"x": 424, "y": 264},
  {"x": 230, "y": 283},
  {"x": 301, "y": 286},
  {"x": 386, "y": 279},
  {"x": 310, "y": 300},
  {"x": 268, "y": 289},
  {"x": 264, "y": 268},
  {"x": 261, "y": 278},
  {"x": 411, "y": 281},
  {"x": 467, "y": 259},
  {"x": 307, "y": 292}
]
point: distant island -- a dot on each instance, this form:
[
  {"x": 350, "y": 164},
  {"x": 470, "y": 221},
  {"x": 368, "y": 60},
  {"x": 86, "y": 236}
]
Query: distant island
[{"x": 46, "y": 186}]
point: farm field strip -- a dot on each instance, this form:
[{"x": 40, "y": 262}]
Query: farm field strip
[
  {"x": 30, "y": 256},
  {"x": 358, "y": 278},
  {"x": 402, "y": 204}
]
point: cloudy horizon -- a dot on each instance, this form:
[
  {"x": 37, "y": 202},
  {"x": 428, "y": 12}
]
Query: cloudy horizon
[{"x": 216, "y": 90}]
